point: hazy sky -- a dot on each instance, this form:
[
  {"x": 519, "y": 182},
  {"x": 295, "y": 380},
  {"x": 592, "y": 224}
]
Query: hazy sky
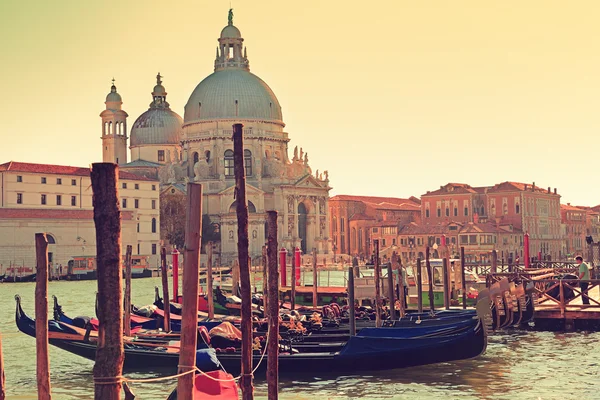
[{"x": 393, "y": 98}]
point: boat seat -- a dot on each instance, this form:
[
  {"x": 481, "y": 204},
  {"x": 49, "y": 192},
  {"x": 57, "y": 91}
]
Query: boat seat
[{"x": 203, "y": 333}]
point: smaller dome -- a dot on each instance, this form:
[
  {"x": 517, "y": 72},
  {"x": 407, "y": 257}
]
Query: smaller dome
[
  {"x": 230, "y": 32},
  {"x": 156, "y": 126},
  {"x": 113, "y": 96}
]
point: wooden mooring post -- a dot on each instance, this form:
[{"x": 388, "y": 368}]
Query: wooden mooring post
[
  {"x": 494, "y": 268},
  {"x": 446, "y": 284},
  {"x": 41, "y": 317},
  {"x": 273, "y": 311},
  {"x": 377, "y": 273},
  {"x": 390, "y": 282},
  {"x": 127, "y": 301},
  {"x": 419, "y": 286},
  {"x": 2, "y": 375},
  {"x": 351, "y": 305},
  {"x": 242, "y": 245},
  {"x": 315, "y": 280},
  {"x": 265, "y": 288},
  {"x": 293, "y": 283},
  {"x": 430, "y": 279},
  {"x": 165, "y": 288},
  {"x": 107, "y": 219},
  {"x": 209, "y": 282},
  {"x": 189, "y": 311},
  {"x": 463, "y": 282}
]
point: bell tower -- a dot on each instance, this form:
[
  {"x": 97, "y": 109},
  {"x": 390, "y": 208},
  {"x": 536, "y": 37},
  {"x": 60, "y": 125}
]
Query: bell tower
[{"x": 114, "y": 129}]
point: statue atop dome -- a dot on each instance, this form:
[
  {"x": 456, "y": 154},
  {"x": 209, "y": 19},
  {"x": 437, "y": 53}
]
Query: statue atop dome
[{"x": 230, "y": 17}]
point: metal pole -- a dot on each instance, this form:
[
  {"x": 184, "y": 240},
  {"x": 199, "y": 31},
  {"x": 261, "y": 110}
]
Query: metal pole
[
  {"x": 189, "y": 311},
  {"x": 293, "y": 291},
  {"x": 243, "y": 254},
  {"x": 107, "y": 219},
  {"x": 41, "y": 317}
]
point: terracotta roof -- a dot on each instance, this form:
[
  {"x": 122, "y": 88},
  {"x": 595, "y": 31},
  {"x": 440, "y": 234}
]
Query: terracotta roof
[
  {"x": 381, "y": 203},
  {"x": 455, "y": 188},
  {"x": 41, "y": 213},
  {"x": 14, "y": 166},
  {"x": 361, "y": 216},
  {"x": 568, "y": 207},
  {"x": 516, "y": 186}
]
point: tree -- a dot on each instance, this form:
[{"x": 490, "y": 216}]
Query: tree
[
  {"x": 172, "y": 218},
  {"x": 210, "y": 232}
]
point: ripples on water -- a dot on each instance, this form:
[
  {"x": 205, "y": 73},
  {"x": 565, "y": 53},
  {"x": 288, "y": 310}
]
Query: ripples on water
[{"x": 517, "y": 365}]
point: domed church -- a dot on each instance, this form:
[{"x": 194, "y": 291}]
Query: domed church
[{"x": 199, "y": 148}]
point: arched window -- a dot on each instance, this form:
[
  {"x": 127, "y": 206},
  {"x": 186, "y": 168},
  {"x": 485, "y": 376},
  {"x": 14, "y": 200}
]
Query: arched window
[
  {"x": 153, "y": 225},
  {"x": 207, "y": 155},
  {"x": 50, "y": 239},
  {"x": 229, "y": 163},
  {"x": 248, "y": 162},
  {"x": 196, "y": 157},
  {"x": 251, "y": 207}
]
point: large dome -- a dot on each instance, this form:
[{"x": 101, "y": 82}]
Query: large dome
[
  {"x": 156, "y": 126},
  {"x": 232, "y": 94}
]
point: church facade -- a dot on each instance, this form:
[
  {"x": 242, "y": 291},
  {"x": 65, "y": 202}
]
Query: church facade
[{"x": 199, "y": 148}]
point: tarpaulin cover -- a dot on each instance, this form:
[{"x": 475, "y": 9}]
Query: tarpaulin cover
[
  {"x": 207, "y": 388},
  {"x": 226, "y": 330}
]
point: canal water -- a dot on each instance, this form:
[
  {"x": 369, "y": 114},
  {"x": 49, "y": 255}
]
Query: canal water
[{"x": 517, "y": 365}]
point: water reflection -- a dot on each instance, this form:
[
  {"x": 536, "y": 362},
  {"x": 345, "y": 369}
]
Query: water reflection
[{"x": 517, "y": 365}]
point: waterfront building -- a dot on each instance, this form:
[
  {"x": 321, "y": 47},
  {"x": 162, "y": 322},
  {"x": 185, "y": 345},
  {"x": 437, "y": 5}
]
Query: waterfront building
[
  {"x": 525, "y": 207},
  {"x": 57, "y": 200},
  {"x": 199, "y": 148},
  {"x": 358, "y": 220},
  {"x": 575, "y": 221}
]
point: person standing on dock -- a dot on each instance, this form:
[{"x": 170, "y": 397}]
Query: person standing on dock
[{"x": 584, "y": 275}]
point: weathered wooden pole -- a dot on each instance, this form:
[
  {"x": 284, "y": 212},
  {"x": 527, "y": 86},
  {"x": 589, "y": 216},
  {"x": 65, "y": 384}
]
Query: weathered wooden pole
[
  {"x": 243, "y": 243},
  {"x": 175, "y": 276},
  {"x": 351, "y": 305},
  {"x": 494, "y": 268},
  {"x": 189, "y": 311},
  {"x": 419, "y": 287},
  {"x": 107, "y": 219},
  {"x": 391, "y": 286},
  {"x": 377, "y": 273},
  {"x": 235, "y": 278},
  {"x": 315, "y": 280},
  {"x": 209, "y": 282},
  {"x": 293, "y": 290},
  {"x": 273, "y": 304},
  {"x": 2, "y": 376},
  {"x": 127, "y": 301},
  {"x": 462, "y": 277},
  {"x": 430, "y": 279},
  {"x": 446, "y": 284},
  {"x": 165, "y": 287},
  {"x": 265, "y": 280},
  {"x": 41, "y": 317}
]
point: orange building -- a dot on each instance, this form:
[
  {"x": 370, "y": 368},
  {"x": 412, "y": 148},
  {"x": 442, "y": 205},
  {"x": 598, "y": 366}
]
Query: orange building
[
  {"x": 575, "y": 221},
  {"x": 353, "y": 217}
]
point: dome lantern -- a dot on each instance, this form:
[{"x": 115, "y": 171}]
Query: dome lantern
[{"x": 229, "y": 52}]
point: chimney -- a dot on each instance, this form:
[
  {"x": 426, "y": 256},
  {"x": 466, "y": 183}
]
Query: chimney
[
  {"x": 525, "y": 187},
  {"x": 533, "y": 187},
  {"x": 555, "y": 191}
]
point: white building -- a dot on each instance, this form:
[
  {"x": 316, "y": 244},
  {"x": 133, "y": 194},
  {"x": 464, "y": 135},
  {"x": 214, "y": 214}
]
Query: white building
[
  {"x": 58, "y": 200},
  {"x": 200, "y": 149}
]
